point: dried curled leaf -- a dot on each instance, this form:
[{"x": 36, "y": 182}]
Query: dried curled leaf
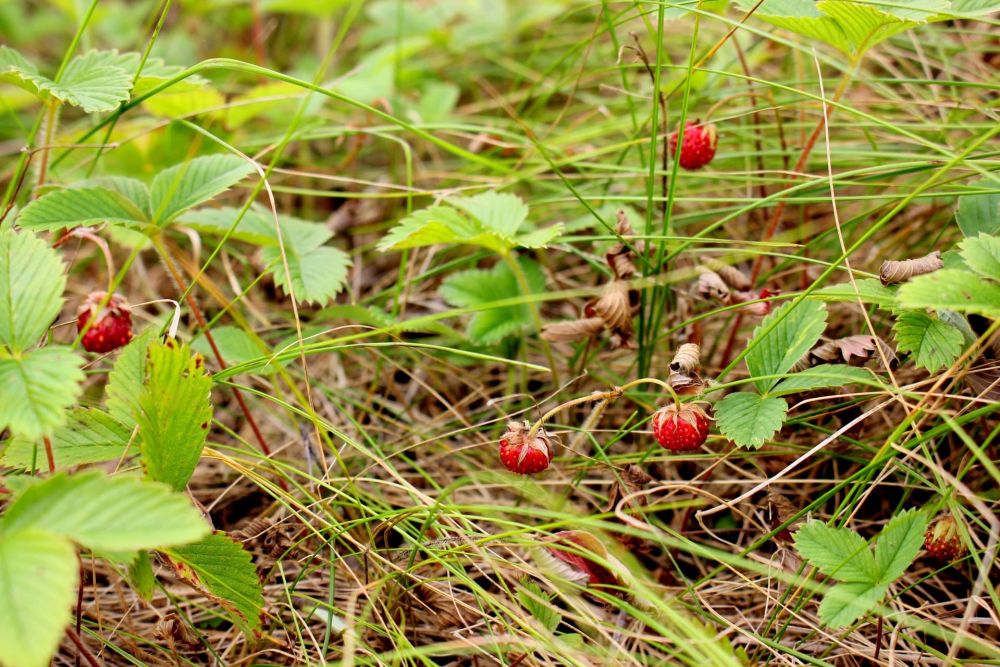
[
  {"x": 711, "y": 285},
  {"x": 730, "y": 275},
  {"x": 620, "y": 257},
  {"x": 686, "y": 384},
  {"x": 893, "y": 272},
  {"x": 854, "y": 350},
  {"x": 757, "y": 308},
  {"x": 580, "y": 557},
  {"x": 616, "y": 305},
  {"x": 687, "y": 359},
  {"x": 572, "y": 330}
]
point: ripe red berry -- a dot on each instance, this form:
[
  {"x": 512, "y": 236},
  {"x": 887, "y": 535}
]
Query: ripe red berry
[
  {"x": 698, "y": 147},
  {"x": 522, "y": 454},
  {"x": 943, "y": 541},
  {"x": 680, "y": 429},
  {"x": 111, "y": 327}
]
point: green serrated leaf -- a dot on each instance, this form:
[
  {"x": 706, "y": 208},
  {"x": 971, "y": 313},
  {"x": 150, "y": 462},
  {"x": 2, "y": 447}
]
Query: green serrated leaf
[
  {"x": 933, "y": 342},
  {"x": 222, "y": 568},
  {"x": 174, "y": 413},
  {"x": 90, "y": 435},
  {"x": 194, "y": 182},
  {"x": 126, "y": 379},
  {"x": 836, "y": 552},
  {"x": 479, "y": 288},
  {"x": 821, "y": 377},
  {"x": 982, "y": 255},
  {"x": 94, "y": 81},
  {"x": 749, "y": 419},
  {"x": 105, "y": 513},
  {"x": 979, "y": 213},
  {"x": 782, "y": 338},
  {"x": 500, "y": 212},
  {"x": 32, "y": 279},
  {"x": 955, "y": 289},
  {"x": 899, "y": 543},
  {"x": 869, "y": 290},
  {"x": 849, "y": 601},
  {"x": 538, "y": 603},
  {"x": 36, "y": 390},
  {"x": 314, "y": 275},
  {"x": 38, "y": 579},
  {"x": 141, "y": 577},
  {"x": 81, "y": 207}
]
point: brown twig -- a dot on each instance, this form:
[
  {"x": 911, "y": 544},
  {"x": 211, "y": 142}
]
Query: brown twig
[{"x": 82, "y": 648}]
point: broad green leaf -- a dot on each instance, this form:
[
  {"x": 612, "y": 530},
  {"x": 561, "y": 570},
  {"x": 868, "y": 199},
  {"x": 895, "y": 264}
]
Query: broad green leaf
[
  {"x": 982, "y": 255},
  {"x": 32, "y": 279},
  {"x": 134, "y": 190},
  {"x": 140, "y": 575},
  {"x": 979, "y": 213},
  {"x": 221, "y": 567},
  {"x": 94, "y": 81},
  {"x": 958, "y": 290},
  {"x": 36, "y": 390},
  {"x": 174, "y": 413},
  {"x": 478, "y": 288},
  {"x": 932, "y": 342},
  {"x": 849, "y": 601},
  {"x": 104, "y": 513},
  {"x": 869, "y": 290},
  {"x": 90, "y": 435},
  {"x": 196, "y": 181},
  {"x": 500, "y": 212},
  {"x": 316, "y": 274},
  {"x": 126, "y": 379},
  {"x": 257, "y": 226},
  {"x": 749, "y": 419},
  {"x": 973, "y": 7},
  {"x": 836, "y": 552},
  {"x": 235, "y": 345},
  {"x": 821, "y": 377},
  {"x": 38, "y": 579},
  {"x": 773, "y": 352},
  {"x": 538, "y": 603},
  {"x": 899, "y": 543},
  {"x": 81, "y": 207}
]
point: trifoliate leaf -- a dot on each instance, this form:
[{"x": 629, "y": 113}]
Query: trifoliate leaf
[
  {"x": 38, "y": 579},
  {"x": 32, "y": 279},
  {"x": 174, "y": 413},
  {"x": 749, "y": 419},
  {"x": 90, "y": 435},
  {"x": 933, "y": 342},
  {"x": 105, "y": 513},
  {"x": 479, "y": 288},
  {"x": 81, "y": 207},
  {"x": 982, "y": 255},
  {"x": 847, "y": 602},
  {"x": 95, "y": 81},
  {"x": 222, "y": 568},
  {"x": 836, "y": 552},
  {"x": 782, "y": 338},
  {"x": 36, "y": 390},
  {"x": 314, "y": 274},
  {"x": 196, "y": 181},
  {"x": 961, "y": 291},
  {"x": 899, "y": 543}
]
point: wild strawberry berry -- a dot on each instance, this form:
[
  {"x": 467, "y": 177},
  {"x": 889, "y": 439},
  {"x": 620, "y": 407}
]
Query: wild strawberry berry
[
  {"x": 698, "y": 147},
  {"x": 943, "y": 541},
  {"x": 580, "y": 557},
  {"x": 111, "y": 327},
  {"x": 522, "y": 454},
  {"x": 680, "y": 429}
]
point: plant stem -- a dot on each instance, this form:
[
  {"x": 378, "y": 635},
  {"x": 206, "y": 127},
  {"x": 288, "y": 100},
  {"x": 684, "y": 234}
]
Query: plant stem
[
  {"x": 610, "y": 395},
  {"x": 48, "y": 454}
]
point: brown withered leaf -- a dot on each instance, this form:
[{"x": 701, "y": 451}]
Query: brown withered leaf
[
  {"x": 621, "y": 258},
  {"x": 780, "y": 510},
  {"x": 892, "y": 272},
  {"x": 758, "y": 308},
  {"x": 633, "y": 479},
  {"x": 616, "y": 305},
  {"x": 854, "y": 350},
  {"x": 580, "y": 557},
  {"x": 687, "y": 360},
  {"x": 711, "y": 285},
  {"x": 686, "y": 384},
  {"x": 572, "y": 330},
  {"x": 730, "y": 275},
  {"x": 985, "y": 381}
]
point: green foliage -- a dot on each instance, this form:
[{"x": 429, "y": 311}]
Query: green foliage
[
  {"x": 869, "y": 290},
  {"x": 979, "y": 213},
  {"x": 491, "y": 220},
  {"x": 38, "y": 577},
  {"x": 32, "y": 279},
  {"x": 782, "y": 338},
  {"x": 222, "y": 568},
  {"x": 89, "y": 435},
  {"x": 128, "y": 202},
  {"x": 36, "y": 389},
  {"x": 954, "y": 289},
  {"x": 174, "y": 413},
  {"x": 844, "y": 555},
  {"x": 95, "y": 81},
  {"x": 750, "y": 419},
  {"x": 854, "y": 27},
  {"x": 821, "y": 377},
  {"x": 539, "y": 605},
  {"x": 982, "y": 254},
  {"x": 478, "y": 288},
  {"x": 933, "y": 342}
]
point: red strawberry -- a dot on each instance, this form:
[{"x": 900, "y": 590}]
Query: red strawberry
[
  {"x": 522, "y": 454},
  {"x": 680, "y": 429},
  {"x": 699, "y": 144},
  {"x": 943, "y": 541},
  {"x": 579, "y": 567},
  {"x": 110, "y": 329}
]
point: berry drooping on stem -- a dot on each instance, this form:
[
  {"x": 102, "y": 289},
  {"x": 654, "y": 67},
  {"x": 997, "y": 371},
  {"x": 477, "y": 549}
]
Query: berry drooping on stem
[
  {"x": 680, "y": 428},
  {"x": 523, "y": 453},
  {"x": 110, "y": 327},
  {"x": 943, "y": 541},
  {"x": 698, "y": 145}
]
